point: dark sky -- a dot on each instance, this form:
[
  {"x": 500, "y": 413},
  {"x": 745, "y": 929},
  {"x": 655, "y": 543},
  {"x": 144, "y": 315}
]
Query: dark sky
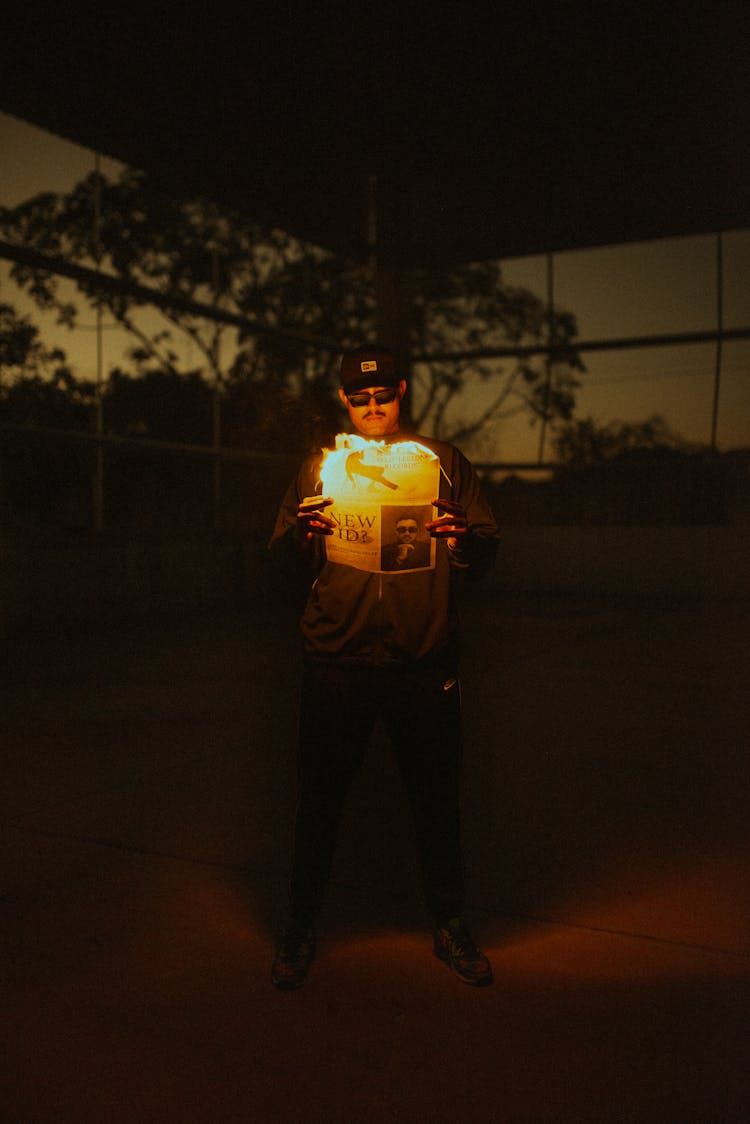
[{"x": 494, "y": 129}]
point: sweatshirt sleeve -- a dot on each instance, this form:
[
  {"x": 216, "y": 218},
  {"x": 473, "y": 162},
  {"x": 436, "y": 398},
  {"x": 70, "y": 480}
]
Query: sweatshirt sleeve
[
  {"x": 291, "y": 555},
  {"x": 476, "y": 552}
]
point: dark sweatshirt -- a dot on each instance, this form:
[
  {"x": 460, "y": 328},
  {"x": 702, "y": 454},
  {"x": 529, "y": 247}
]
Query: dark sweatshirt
[{"x": 362, "y": 617}]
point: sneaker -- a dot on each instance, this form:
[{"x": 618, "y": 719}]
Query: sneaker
[
  {"x": 455, "y": 947},
  {"x": 293, "y": 958}
]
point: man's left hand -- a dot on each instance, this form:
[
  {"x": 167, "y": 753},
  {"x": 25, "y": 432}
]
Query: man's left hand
[{"x": 452, "y": 525}]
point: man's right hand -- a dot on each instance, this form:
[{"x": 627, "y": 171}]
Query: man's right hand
[{"x": 310, "y": 518}]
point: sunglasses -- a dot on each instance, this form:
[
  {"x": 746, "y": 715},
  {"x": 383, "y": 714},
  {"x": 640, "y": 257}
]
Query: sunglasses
[{"x": 382, "y": 397}]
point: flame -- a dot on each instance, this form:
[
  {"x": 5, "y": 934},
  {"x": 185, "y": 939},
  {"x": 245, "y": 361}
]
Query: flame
[
  {"x": 369, "y": 483},
  {"x": 358, "y": 467}
]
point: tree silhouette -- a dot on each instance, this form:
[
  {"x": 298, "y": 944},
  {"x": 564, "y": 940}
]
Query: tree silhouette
[
  {"x": 23, "y": 356},
  {"x": 585, "y": 442},
  {"x": 471, "y": 310},
  {"x": 288, "y": 293},
  {"x": 190, "y": 250},
  {"x": 42, "y": 481}
]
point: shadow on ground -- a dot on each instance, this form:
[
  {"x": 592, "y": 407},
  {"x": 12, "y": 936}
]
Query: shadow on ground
[{"x": 149, "y": 795}]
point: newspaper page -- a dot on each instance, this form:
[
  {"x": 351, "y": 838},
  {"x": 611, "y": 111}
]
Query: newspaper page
[{"x": 382, "y": 493}]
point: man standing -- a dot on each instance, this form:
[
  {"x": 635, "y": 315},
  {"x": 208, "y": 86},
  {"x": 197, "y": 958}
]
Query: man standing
[{"x": 382, "y": 645}]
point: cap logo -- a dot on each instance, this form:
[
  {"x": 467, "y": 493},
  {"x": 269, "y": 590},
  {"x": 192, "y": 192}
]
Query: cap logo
[{"x": 368, "y": 365}]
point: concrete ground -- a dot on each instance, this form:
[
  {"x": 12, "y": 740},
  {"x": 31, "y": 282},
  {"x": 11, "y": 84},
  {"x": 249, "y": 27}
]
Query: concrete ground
[{"x": 148, "y": 796}]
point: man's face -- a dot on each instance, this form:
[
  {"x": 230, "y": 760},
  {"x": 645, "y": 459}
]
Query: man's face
[
  {"x": 406, "y": 529},
  {"x": 373, "y": 418}
]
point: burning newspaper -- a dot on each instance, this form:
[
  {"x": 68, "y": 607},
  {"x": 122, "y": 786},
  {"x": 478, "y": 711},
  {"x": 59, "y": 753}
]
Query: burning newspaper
[{"x": 382, "y": 493}]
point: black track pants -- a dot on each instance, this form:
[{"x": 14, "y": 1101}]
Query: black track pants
[{"x": 421, "y": 710}]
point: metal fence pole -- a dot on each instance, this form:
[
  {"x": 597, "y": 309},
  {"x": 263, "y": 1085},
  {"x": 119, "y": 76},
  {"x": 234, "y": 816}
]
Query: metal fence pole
[
  {"x": 548, "y": 356},
  {"x": 216, "y": 473},
  {"x": 719, "y": 328},
  {"x": 98, "y": 472}
]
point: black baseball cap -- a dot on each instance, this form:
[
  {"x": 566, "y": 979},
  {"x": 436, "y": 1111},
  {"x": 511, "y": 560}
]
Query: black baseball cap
[{"x": 367, "y": 366}]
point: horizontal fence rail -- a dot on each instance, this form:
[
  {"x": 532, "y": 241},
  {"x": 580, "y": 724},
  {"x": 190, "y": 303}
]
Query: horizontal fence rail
[
  {"x": 114, "y": 284},
  {"x": 218, "y": 453},
  {"x": 35, "y": 260},
  {"x": 527, "y": 350},
  {"x": 148, "y": 444}
]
